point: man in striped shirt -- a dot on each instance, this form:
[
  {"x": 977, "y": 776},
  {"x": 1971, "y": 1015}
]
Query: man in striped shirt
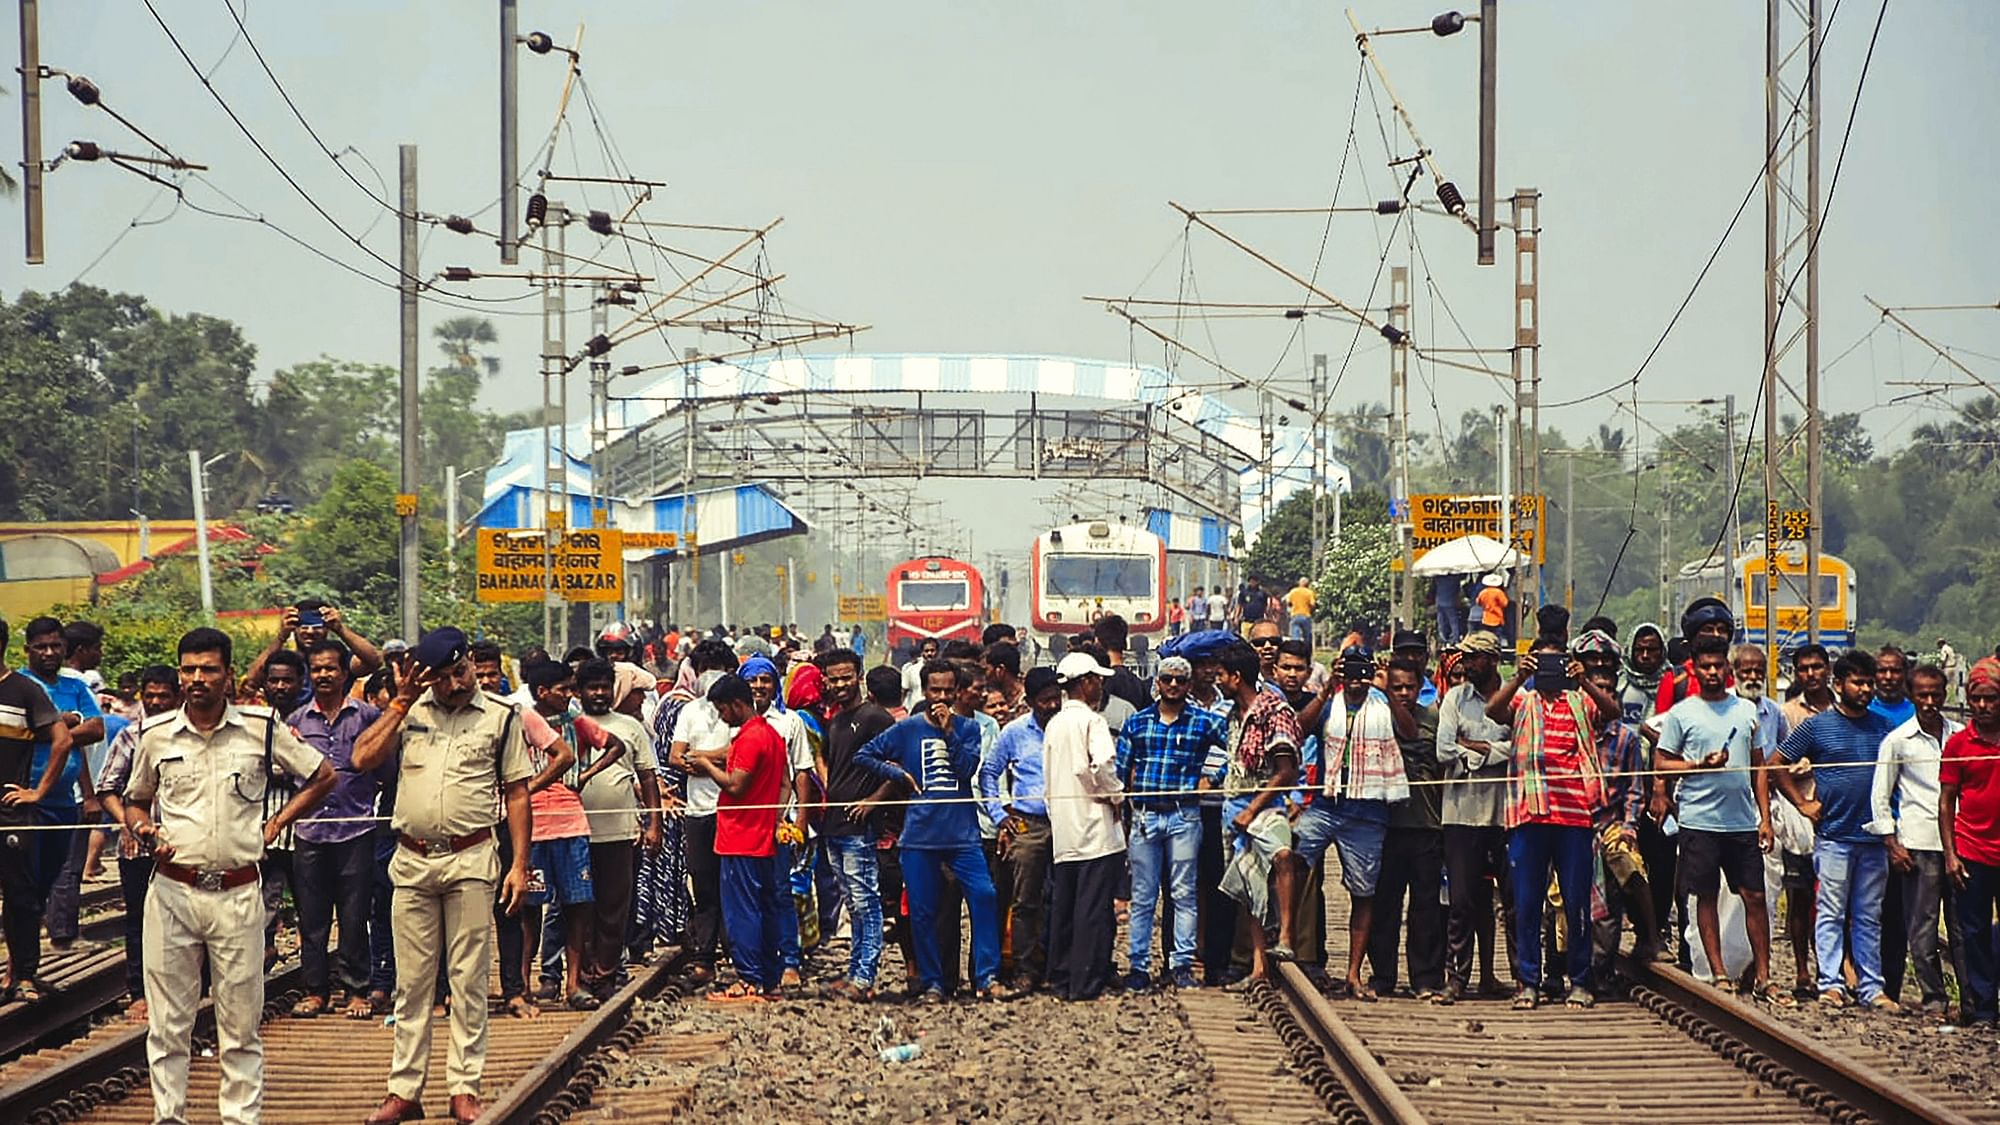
[{"x": 1555, "y": 785}]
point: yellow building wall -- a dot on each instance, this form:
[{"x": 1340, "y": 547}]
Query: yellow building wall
[{"x": 121, "y": 537}]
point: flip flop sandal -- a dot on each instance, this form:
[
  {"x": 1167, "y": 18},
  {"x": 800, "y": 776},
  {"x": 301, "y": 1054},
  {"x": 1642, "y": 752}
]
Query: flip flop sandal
[
  {"x": 1365, "y": 994},
  {"x": 581, "y": 1001},
  {"x": 358, "y": 1008},
  {"x": 738, "y": 993},
  {"x": 308, "y": 1007},
  {"x": 1726, "y": 984},
  {"x": 522, "y": 1008},
  {"x": 1775, "y": 995}
]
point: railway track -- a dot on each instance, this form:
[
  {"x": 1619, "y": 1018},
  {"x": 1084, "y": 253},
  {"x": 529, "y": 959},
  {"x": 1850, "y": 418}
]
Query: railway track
[
  {"x": 89, "y": 979},
  {"x": 1676, "y": 1050},
  {"x": 538, "y": 1072}
]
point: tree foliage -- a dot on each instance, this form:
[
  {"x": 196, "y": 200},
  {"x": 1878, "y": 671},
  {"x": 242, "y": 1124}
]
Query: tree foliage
[{"x": 1354, "y": 586}]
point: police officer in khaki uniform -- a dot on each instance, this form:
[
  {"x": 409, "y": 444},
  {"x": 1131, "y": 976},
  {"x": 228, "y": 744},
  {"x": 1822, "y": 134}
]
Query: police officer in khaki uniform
[
  {"x": 205, "y": 768},
  {"x": 462, "y": 750}
]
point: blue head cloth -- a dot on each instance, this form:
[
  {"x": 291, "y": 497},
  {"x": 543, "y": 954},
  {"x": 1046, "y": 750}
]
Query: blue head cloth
[
  {"x": 1199, "y": 645},
  {"x": 757, "y": 666}
]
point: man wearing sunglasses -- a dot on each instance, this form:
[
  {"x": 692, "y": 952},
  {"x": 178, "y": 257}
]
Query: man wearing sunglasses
[
  {"x": 1161, "y": 753},
  {"x": 1265, "y": 637}
]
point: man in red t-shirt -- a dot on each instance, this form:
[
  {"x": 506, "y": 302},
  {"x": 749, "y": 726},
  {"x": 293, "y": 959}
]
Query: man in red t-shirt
[
  {"x": 1554, "y": 785},
  {"x": 1969, "y": 828},
  {"x": 746, "y": 826}
]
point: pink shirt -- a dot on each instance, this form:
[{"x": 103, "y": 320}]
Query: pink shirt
[{"x": 558, "y": 811}]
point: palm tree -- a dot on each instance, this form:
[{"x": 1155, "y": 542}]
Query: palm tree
[{"x": 464, "y": 340}]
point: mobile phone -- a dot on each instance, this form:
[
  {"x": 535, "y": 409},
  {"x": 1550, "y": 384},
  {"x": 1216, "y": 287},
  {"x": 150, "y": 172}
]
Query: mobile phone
[{"x": 1553, "y": 681}]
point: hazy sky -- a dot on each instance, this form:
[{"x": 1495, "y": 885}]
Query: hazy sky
[{"x": 959, "y": 175}]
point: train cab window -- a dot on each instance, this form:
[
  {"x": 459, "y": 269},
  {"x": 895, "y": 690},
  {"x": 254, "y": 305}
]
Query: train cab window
[
  {"x": 932, "y": 595},
  {"x": 1099, "y": 576}
]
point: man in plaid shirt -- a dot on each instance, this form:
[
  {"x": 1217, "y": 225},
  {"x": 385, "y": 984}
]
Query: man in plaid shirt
[{"x": 1160, "y": 757}]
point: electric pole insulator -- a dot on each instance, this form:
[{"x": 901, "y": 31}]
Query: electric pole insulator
[
  {"x": 538, "y": 42},
  {"x": 1448, "y": 195},
  {"x": 83, "y": 151},
  {"x": 83, "y": 89},
  {"x": 600, "y": 222},
  {"x": 538, "y": 209},
  {"x": 1447, "y": 23},
  {"x": 458, "y": 224}
]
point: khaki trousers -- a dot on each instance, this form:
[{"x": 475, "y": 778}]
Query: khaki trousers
[
  {"x": 182, "y": 925},
  {"x": 441, "y": 908}
]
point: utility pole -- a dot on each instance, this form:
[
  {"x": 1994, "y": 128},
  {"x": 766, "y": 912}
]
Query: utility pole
[
  {"x": 1526, "y": 356},
  {"x": 555, "y": 412},
  {"x": 1734, "y": 541},
  {"x": 1489, "y": 63},
  {"x": 451, "y": 529},
  {"x": 690, "y": 426},
  {"x": 1399, "y": 434},
  {"x": 200, "y": 490},
  {"x": 1318, "y": 470},
  {"x": 412, "y": 431},
  {"x": 600, "y": 422},
  {"x": 31, "y": 129},
  {"x": 510, "y": 156},
  {"x": 1569, "y": 533},
  {"x": 1504, "y": 463},
  {"x": 1791, "y": 227}
]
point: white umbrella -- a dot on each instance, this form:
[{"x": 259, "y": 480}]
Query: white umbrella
[{"x": 1466, "y": 555}]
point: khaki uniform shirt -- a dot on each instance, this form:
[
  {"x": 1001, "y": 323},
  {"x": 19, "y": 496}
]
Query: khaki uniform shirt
[
  {"x": 208, "y": 789},
  {"x": 454, "y": 763}
]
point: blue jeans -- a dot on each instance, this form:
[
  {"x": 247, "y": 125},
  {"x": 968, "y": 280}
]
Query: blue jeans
[
  {"x": 923, "y": 881},
  {"x": 1532, "y": 849},
  {"x": 854, "y": 858},
  {"x": 788, "y": 925},
  {"x": 754, "y": 904},
  {"x": 1979, "y": 941},
  {"x": 1302, "y": 627},
  {"x": 1164, "y": 848},
  {"x": 1852, "y": 878}
]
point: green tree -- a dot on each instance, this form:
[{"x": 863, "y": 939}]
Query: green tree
[
  {"x": 346, "y": 549},
  {"x": 1354, "y": 585},
  {"x": 115, "y": 393}
]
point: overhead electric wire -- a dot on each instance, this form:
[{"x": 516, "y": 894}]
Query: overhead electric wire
[
  {"x": 243, "y": 31},
  {"x": 1798, "y": 103},
  {"x": 1812, "y": 246},
  {"x": 314, "y": 203}
]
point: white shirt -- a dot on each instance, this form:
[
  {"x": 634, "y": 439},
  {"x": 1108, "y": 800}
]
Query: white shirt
[
  {"x": 1907, "y": 768},
  {"x": 798, "y": 751},
  {"x": 1080, "y": 776},
  {"x": 702, "y": 729}
]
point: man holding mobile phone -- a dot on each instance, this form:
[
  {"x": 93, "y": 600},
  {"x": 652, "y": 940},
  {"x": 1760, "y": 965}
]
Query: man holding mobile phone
[
  {"x": 1709, "y": 739},
  {"x": 1555, "y": 785}
]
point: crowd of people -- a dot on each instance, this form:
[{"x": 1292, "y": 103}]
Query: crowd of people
[{"x": 740, "y": 795}]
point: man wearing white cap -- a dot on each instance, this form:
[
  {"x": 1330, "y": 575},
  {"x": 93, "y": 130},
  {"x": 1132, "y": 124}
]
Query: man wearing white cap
[{"x": 1080, "y": 769}]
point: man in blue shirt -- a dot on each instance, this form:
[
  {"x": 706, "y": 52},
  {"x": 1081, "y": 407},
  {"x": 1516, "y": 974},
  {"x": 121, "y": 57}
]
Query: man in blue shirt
[
  {"x": 1025, "y": 844},
  {"x": 1710, "y": 740},
  {"x": 934, "y": 756},
  {"x": 1892, "y": 687},
  {"x": 58, "y": 862},
  {"x": 1841, "y": 745},
  {"x": 1161, "y": 754}
]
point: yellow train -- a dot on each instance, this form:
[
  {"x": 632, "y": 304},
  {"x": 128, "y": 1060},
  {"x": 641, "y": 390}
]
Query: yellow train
[{"x": 1743, "y": 587}]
